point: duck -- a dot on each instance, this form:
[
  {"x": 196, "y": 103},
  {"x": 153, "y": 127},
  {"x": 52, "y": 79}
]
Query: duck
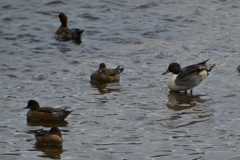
[
  {"x": 183, "y": 79},
  {"x": 66, "y": 34},
  {"x": 51, "y": 137},
  {"x": 104, "y": 75},
  {"x": 45, "y": 113}
]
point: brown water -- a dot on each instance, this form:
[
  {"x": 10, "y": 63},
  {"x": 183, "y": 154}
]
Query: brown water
[{"x": 137, "y": 118}]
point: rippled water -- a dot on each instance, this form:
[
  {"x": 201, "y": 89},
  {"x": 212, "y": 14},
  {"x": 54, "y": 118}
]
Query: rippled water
[{"x": 137, "y": 118}]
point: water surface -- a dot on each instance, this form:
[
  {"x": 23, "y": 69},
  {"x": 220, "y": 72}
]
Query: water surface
[{"x": 137, "y": 118}]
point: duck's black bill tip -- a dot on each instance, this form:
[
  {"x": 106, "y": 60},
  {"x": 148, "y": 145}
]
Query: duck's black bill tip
[
  {"x": 165, "y": 72},
  {"x": 25, "y": 107}
]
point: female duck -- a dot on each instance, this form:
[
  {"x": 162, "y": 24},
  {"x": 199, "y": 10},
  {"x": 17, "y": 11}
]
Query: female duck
[
  {"x": 68, "y": 34},
  {"x": 51, "y": 137},
  {"x": 104, "y": 75},
  {"x": 45, "y": 113}
]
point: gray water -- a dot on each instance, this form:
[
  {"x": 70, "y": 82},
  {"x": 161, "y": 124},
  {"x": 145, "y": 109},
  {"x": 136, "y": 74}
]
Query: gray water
[{"x": 137, "y": 118}]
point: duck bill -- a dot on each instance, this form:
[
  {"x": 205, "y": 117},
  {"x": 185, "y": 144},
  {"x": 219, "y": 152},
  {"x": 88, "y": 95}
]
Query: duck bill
[
  {"x": 25, "y": 107},
  {"x": 165, "y": 72}
]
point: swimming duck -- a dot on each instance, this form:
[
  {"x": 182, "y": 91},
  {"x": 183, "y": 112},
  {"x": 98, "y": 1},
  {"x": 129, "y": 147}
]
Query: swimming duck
[
  {"x": 45, "y": 113},
  {"x": 104, "y": 75},
  {"x": 51, "y": 137},
  {"x": 68, "y": 34},
  {"x": 183, "y": 79}
]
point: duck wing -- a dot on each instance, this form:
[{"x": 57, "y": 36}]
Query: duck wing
[
  {"x": 46, "y": 109},
  {"x": 53, "y": 110},
  {"x": 41, "y": 133},
  {"x": 187, "y": 73},
  {"x": 117, "y": 70}
]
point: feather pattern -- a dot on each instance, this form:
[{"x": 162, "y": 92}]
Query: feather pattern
[{"x": 186, "y": 78}]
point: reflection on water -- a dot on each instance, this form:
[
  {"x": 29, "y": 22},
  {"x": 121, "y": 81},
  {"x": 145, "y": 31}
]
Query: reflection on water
[
  {"x": 53, "y": 152},
  {"x": 49, "y": 151},
  {"x": 188, "y": 110},
  {"x": 179, "y": 101},
  {"x": 47, "y": 123},
  {"x": 66, "y": 39},
  {"x": 104, "y": 88}
]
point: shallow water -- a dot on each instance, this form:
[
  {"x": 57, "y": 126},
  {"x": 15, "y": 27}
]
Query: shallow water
[{"x": 137, "y": 118}]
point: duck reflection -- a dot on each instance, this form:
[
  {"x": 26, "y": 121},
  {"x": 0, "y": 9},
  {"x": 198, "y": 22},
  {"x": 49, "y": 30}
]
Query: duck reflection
[
  {"x": 53, "y": 152},
  {"x": 180, "y": 101},
  {"x": 47, "y": 123},
  {"x": 104, "y": 88}
]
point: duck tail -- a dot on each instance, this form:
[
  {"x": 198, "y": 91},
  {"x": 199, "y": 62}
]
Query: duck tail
[
  {"x": 76, "y": 35},
  {"x": 203, "y": 63},
  {"x": 210, "y": 67},
  {"x": 119, "y": 70}
]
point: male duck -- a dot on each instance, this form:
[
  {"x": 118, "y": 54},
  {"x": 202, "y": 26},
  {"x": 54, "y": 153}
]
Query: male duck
[
  {"x": 183, "y": 79},
  {"x": 45, "y": 113},
  {"x": 51, "y": 137},
  {"x": 104, "y": 75},
  {"x": 67, "y": 34}
]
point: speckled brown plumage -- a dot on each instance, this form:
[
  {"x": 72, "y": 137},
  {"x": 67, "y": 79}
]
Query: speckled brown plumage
[{"x": 45, "y": 113}]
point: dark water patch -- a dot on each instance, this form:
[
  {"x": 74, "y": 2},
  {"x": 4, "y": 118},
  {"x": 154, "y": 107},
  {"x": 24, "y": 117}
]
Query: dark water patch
[
  {"x": 119, "y": 40},
  {"x": 12, "y": 76},
  {"x": 44, "y": 13},
  {"x": 39, "y": 48},
  {"x": 89, "y": 16},
  {"x": 30, "y": 65},
  {"x": 103, "y": 149},
  {"x": 116, "y": 3},
  {"x": 92, "y": 32},
  {"x": 154, "y": 34},
  {"x": 24, "y": 28},
  {"x": 27, "y": 35},
  {"x": 148, "y": 5},
  {"x": 64, "y": 49},
  {"x": 235, "y": 6},
  {"x": 7, "y": 6},
  {"x": 10, "y": 38},
  {"x": 235, "y": 158},
  {"x": 37, "y": 29},
  {"x": 7, "y": 19},
  {"x": 230, "y": 95},
  {"x": 65, "y": 71},
  {"x": 8, "y": 69},
  {"x": 11, "y": 154},
  {"x": 74, "y": 62},
  {"x": 54, "y": 3},
  {"x": 8, "y": 34},
  {"x": 185, "y": 124},
  {"x": 189, "y": 21},
  {"x": 181, "y": 25},
  {"x": 95, "y": 6},
  {"x": 39, "y": 78},
  {"x": 22, "y": 18},
  {"x": 35, "y": 40},
  {"x": 108, "y": 10},
  {"x": 170, "y": 20},
  {"x": 160, "y": 155}
]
